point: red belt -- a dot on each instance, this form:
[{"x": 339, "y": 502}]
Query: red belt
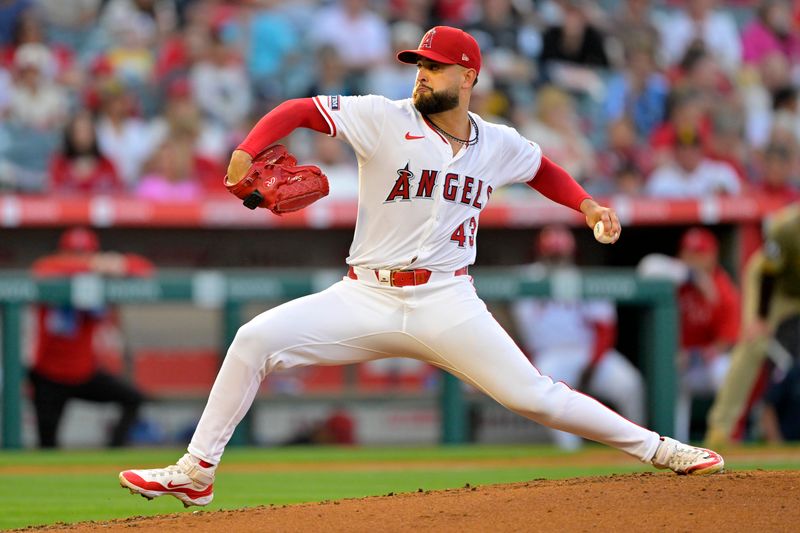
[{"x": 402, "y": 278}]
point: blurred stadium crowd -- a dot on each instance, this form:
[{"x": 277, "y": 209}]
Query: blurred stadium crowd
[{"x": 148, "y": 97}]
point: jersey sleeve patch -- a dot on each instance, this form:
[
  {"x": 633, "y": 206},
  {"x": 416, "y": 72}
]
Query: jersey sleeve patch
[{"x": 326, "y": 115}]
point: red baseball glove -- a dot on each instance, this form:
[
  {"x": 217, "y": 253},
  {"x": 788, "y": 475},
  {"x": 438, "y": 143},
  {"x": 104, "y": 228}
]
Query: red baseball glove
[{"x": 275, "y": 182}]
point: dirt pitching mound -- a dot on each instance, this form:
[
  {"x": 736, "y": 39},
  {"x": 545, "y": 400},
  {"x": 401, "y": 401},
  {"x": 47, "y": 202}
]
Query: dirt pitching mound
[{"x": 738, "y": 501}]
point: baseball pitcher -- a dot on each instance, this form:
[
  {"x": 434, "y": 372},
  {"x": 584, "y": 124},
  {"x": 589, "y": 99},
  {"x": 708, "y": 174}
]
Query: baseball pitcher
[{"x": 427, "y": 169}]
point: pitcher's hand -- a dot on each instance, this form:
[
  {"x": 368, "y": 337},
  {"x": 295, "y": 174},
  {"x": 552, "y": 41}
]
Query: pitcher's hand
[{"x": 595, "y": 213}]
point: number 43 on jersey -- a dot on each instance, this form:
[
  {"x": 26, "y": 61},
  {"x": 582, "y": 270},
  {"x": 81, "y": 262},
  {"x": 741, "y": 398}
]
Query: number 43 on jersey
[{"x": 465, "y": 233}]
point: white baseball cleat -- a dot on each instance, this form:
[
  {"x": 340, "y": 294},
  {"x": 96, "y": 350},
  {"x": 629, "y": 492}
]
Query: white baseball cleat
[
  {"x": 187, "y": 480},
  {"x": 685, "y": 459}
]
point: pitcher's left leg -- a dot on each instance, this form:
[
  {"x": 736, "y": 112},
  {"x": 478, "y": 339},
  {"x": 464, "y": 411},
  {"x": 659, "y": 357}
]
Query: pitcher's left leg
[
  {"x": 480, "y": 352},
  {"x": 463, "y": 338},
  {"x": 563, "y": 364}
]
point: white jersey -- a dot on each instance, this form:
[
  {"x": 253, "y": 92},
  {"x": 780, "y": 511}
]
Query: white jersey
[{"x": 418, "y": 204}]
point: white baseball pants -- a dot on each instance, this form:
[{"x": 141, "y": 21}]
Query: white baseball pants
[
  {"x": 442, "y": 322},
  {"x": 615, "y": 380}
]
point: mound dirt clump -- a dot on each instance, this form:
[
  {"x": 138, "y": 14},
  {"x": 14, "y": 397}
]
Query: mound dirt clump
[{"x": 737, "y": 501}]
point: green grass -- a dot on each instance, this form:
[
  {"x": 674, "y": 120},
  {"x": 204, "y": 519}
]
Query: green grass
[{"x": 288, "y": 475}]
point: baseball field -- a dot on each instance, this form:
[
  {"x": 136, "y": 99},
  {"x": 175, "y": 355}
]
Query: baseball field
[{"x": 464, "y": 488}]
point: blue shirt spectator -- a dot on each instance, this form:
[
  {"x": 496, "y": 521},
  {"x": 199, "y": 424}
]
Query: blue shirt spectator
[
  {"x": 639, "y": 92},
  {"x": 10, "y": 12},
  {"x": 271, "y": 39}
]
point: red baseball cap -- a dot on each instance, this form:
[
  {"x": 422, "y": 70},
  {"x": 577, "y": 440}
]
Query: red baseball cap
[
  {"x": 448, "y": 45},
  {"x": 699, "y": 240},
  {"x": 79, "y": 240}
]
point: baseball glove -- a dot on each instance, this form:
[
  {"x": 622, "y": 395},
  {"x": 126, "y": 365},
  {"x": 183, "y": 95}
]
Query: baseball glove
[{"x": 275, "y": 182}]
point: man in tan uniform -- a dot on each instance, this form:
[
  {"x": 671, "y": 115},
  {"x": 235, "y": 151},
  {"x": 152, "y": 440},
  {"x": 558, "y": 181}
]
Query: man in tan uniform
[{"x": 771, "y": 294}]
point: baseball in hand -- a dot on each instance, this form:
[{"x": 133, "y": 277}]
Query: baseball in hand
[{"x": 600, "y": 233}]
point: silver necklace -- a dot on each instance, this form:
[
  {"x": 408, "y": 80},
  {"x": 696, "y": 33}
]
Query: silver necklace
[{"x": 465, "y": 142}]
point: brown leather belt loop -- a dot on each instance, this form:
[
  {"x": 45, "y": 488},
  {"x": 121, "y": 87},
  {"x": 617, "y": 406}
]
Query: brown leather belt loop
[{"x": 403, "y": 278}]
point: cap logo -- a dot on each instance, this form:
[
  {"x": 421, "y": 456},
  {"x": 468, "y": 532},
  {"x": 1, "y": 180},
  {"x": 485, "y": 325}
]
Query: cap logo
[
  {"x": 464, "y": 57},
  {"x": 427, "y": 41}
]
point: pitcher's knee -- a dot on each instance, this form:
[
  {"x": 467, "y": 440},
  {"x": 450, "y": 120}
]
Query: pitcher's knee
[
  {"x": 250, "y": 345},
  {"x": 263, "y": 347},
  {"x": 538, "y": 401}
]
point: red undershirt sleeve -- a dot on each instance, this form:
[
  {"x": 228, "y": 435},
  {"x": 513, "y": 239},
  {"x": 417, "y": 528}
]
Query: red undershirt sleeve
[
  {"x": 556, "y": 184},
  {"x": 281, "y": 121}
]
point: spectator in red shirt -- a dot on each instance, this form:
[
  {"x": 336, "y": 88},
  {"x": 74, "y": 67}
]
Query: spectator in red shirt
[
  {"x": 709, "y": 307},
  {"x": 687, "y": 111},
  {"x": 708, "y": 300},
  {"x": 65, "y": 362},
  {"x": 80, "y": 167}
]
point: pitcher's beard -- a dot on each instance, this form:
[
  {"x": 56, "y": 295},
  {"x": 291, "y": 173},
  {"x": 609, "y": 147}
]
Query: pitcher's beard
[{"x": 430, "y": 103}]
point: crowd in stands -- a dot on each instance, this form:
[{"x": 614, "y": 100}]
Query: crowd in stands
[{"x": 676, "y": 98}]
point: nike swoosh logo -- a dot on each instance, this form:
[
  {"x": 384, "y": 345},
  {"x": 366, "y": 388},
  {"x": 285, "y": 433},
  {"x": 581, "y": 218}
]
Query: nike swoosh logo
[
  {"x": 410, "y": 137},
  {"x": 171, "y": 486}
]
